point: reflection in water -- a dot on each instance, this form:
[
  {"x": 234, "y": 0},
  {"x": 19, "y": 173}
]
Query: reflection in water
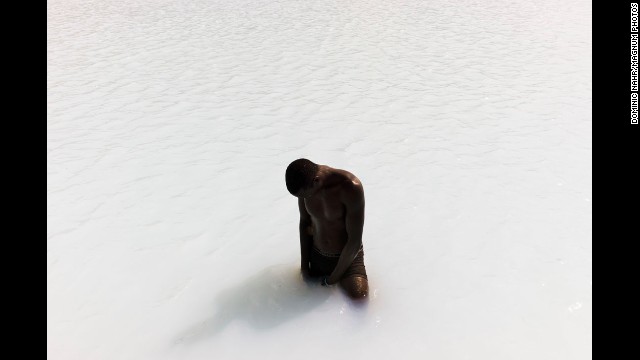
[{"x": 266, "y": 300}]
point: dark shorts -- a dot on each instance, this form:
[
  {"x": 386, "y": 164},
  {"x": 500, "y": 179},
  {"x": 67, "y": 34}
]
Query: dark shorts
[{"x": 322, "y": 264}]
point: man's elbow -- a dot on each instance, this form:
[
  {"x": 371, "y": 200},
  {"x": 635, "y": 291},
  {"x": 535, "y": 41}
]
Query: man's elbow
[{"x": 354, "y": 243}]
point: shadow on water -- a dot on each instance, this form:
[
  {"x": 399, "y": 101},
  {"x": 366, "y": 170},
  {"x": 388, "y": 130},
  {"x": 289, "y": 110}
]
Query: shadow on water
[{"x": 266, "y": 300}]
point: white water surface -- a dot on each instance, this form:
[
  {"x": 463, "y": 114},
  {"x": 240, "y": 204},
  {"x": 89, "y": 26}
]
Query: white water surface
[{"x": 170, "y": 232}]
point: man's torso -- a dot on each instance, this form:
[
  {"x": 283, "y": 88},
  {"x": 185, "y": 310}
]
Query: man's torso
[{"x": 328, "y": 212}]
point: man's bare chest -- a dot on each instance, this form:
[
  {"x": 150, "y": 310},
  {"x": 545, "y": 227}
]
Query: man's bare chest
[{"x": 325, "y": 209}]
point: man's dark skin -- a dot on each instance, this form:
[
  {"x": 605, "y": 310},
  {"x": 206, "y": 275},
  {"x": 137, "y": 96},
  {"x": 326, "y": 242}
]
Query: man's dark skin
[{"x": 332, "y": 219}]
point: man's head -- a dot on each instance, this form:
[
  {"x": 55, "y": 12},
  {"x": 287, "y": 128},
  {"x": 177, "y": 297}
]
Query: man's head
[{"x": 300, "y": 177}]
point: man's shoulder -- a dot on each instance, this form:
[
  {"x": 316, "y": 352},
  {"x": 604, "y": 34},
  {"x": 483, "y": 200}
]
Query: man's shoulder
[
  {"x": 346, "y": 179},
  {"x": 351, "y": 190}
]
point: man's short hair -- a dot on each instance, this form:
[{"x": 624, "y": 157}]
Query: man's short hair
[{"x": 299, "y": 175}]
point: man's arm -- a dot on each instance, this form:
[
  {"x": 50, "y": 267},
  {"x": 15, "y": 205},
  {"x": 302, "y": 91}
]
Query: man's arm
[
  {"x": 353, "y": 199},
  {"x": 306, "y": 239}
]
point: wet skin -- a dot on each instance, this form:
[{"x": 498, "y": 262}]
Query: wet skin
[{"x": 332, "y": 219}]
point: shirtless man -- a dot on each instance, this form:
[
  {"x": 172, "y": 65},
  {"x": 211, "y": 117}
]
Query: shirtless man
[{"x": 331, "y": 204}]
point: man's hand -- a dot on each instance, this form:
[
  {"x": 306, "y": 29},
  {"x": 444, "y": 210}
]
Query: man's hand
[{"x": 326, "y": 281}]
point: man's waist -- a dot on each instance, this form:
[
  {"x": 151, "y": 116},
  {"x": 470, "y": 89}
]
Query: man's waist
[{"x": 330, "y": 253}]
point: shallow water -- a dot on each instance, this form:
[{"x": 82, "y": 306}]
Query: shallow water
[{"x": 170, "y": 233}]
